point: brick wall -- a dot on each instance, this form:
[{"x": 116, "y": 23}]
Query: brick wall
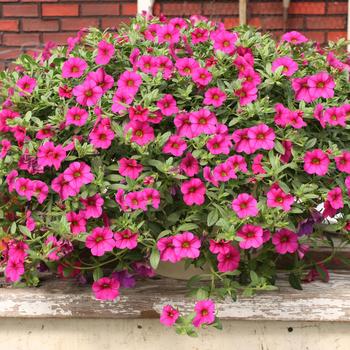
[{"x": 27, "y": 24}]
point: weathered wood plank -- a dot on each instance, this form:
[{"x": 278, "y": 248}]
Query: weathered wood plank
[{"x": 62, "y": 299}]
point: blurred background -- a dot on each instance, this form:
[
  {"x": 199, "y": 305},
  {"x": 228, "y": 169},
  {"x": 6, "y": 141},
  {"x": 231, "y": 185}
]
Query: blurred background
[{"x": 25, "y": 25}]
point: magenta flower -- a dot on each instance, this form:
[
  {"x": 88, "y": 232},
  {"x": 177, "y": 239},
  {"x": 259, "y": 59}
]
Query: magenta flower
[
  {"x": 93, "y": 206},
  {"x": 14, "y": 270},
  {"x": 203, "y": 122},
  {"x": 261, "y": 137},
  {"x": 78, "y": 174},
  {"x": 252, "y": 236},
  {"x": 316, "y": 162},
  {"x": 152, "y": 196},
  {"x": 63, "y": 187},
  {"x": 77, "y": 222},
  {"x": 76, "y": 116},
  {"x": 125, "y": 239},
  {"x": 106, "y": 288},
  {"x": 175, "y": 146},
  {"x": 224, "y": 41},
  {"x": 224, "y": 172},
  {"x": 26, "y": 85},
  {"x": 102, "y": 79},
  {"x": 5, "y": 147},
  {"x": 219, "y": 144},
  {"x": 88, "y": 93},
  {"x": 130, "y": 82},
  {"x": 202, "y": 77},
  {"x": 285, "y": 241},
  {"x": 289, "y": 65},
  {"x": 208, "y": 176},
  {"x": 136, "y": 200},
  {"x": 120, "y": 99},
  {"x": 189, "y": 165},
  {"x": 186, "y": 66},
  {"x": 165, "y": 65},
  {"x": 228, "y": 261},
  {"x": 167, "y": 105},
  {"x": 166, "y": 249},
  {"x": 247, "y": 94},
  {"x": 277, "y": 198},
  {"x": 245, "y": 205},
  {"x": 183, "y": 125},
  {"x": 219, "y": 247},
  {"x": 193, "y": 192},
  {"x": 130, "y": 168},
  {"x": 17, "y": 250},
  {"x": 321, "y": 85},
  {"x": 169, "y": 316},
  {"x": 301, "y": 89},
  {"x": 294, "y": 38},
  {"x": 101, "y": 136},
  {"x": 40, "y": 190},
  {"x": 199, "y": 35},
  {"x": 105, "y": 52},
  {"x": 147, "y": 64},
  {"x": 215, "y": 97},
  {"x": 238, "y": 163},
  {"x": 100, "y": 241},
  {"x": 335, "y": 198},
  {"x": 186, "y": 245},
  {"x": 24, "y": 187},
  {"x": 141, "y": 133},
  {"x": 74, "y": 67},
  {"x": 168, "y": 33},
  {"x": 335, "y": 116},
  {"x": 205, "y": 312},
  {"x": 51, "y": 155},
  {"x": 343, "y": 162}
]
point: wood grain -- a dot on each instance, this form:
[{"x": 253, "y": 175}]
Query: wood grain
[{"x": 62, "y": 299}]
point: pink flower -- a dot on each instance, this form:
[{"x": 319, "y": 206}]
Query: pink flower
[
  {"x": 316, "y": 162},
  {"x": 24, "y": 187},
  {"x": 219, "y": 247},
  {"x": 252, "y": 236},
  {"x": 14, "y": 270},
  {"x": 78, "y": 174},
  {"x": 205, "y": 312},
  {"x": 92, "y": 206},
  {"x": 319, "y": 115},
  {"x": 245, "y": 205},
  {"x": 11, "y": 179},
  {"x": 343, "y": 162},
  {"x": 186, "y": 66},
  {"x": 26, "y": 85},
  {"x": 335, "y": 198},
  {"x": 125, "y": 239},
  {"x": 321, "y": 85},
  {"x": 120, "y": 99},
  {"x": 141, "y": 133},
  {"x": 105, "y": 52},
  {"x": 76, "y": 116},
  {"x": 186, "y": 245},
  {"x": 130, "y": 168},
  {"x": 102, "y": 136},
  {"x": 347, "y": 184},
  {"x": 301, "y": 89},
  {"x": 242, "y": 141},
  {"x": 276, "y": 198},
  {"x": 189, "y": 165},
  {"x": 63, "y": 188},
  {"x": 74, "y": 67},
  {"x": 224, "y": 41},
  {"x": 139, "y": 113},
  {"x": 45, "y": 133},
  {"x": 208, "y": 176},
  {"x": 30, "y": 222},
  {"x": 136, "y": 200},
  {"x": 247, "y": 94},
  {"x": 238, "y": 163},
  {"x": 183, "y": 125},
  {"x": 152, "y": 196},
  {"x": 168, "y": 33},
  {"x": 215, "y": 97},
  {"x": 203, "y": 122},
  {"x": 106, "y": 288},
  {"x": 77, "y": 222},
  {"x": 169, "y": 316},
  {"x": 18, "y": 250},
  {"x": 224, "y": 172},
  {"x": 148, "y": 64},
  {"x": 88, "y": 93},
  {"x": 175, "y": 146},
  {"x": 65, "y": 91},
  {"x": 40, "y": 190},
  {"x": 202, "y": 77},
  {"x": 100, "y": 241},
  {"x": 294, "y": 38},
  {"x": 167, "y": 250},
  {"x": 228, "y": 261},
  {"x": 335, "y": 116},
  {"x": 199, "y": 35},
  {"x": 5, "y": 147},
  {"x": 167, "y": 105},
  {"x": 193, "y": 191},
  {"x": 51, "y": 155},
  {"x": 289, "y": 65},
  {"x": 219, "y": 144},
  {"x": 285, "y": 241},
  {"x": 102, "y": 79},
  {"x": 261, "y": 137},
  {"x": 129, "y": 82}
]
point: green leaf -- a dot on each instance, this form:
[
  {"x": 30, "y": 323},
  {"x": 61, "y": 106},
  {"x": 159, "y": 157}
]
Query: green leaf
[
  {"x": 25, "y": 231},
  {"x": 279, "y": 147},
  {"x": 13, "y": 228},
  {"x": 97, "y": 274},
  {"x": 212, "y": 217},
  {"x": 322, "y": 273},
  {"x": 294, "y": 281},
  {"x": 154, "y": 258},
  {"x": 187, "y": 227},
  {"x": 201, "y": 294}
]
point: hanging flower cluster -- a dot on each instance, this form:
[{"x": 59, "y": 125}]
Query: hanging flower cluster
[{"x": 174, "y": 141}]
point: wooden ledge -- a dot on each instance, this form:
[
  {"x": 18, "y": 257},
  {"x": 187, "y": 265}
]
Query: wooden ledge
[{"x": 62, "y": 299}]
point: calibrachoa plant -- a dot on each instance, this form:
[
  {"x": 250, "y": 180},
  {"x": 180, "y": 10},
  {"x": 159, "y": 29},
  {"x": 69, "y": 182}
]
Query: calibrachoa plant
[{"x": 175, "y": 141}]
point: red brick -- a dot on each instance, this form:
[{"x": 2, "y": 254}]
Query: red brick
[
  {"x": 317, "y": 36},
  {"x": 266, "y": 8},
  {"x": 129, "y": 9},
  {"x": 9, "y": 0},
  {"x": 254, "y": 21},
  {"x": 329, "y": 22},
  {"x": 60, "y": 10},
  {"x": 7, "y": 53},
  {"x": 272, "y": 22},
  {"x": 21, "y": 39},
  {"x": 8, "y": 25},
  {"x": 336, "y": 7},
  {"x": 28, "y": 10},
  {"x": 157, "y": 9},
  {"x": 220, "y": 8},
  {"x": 38, "y": 25},
  {"x": 58, "y": 38},
  {"x": 111, "y": 22},
  {"x": 38, "y": 0},
  {"x": 181, "y": 9},
  {"x": 2, "y": 66},
  {"x": 99, "y": 9},
  {"x": 334, "y": 36},
  {"x": 307, "y": 8},
  {"x": 231, "y": 22},
  {"x": 294, "y": 23},
  {"x": 78, "y": 23}
]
